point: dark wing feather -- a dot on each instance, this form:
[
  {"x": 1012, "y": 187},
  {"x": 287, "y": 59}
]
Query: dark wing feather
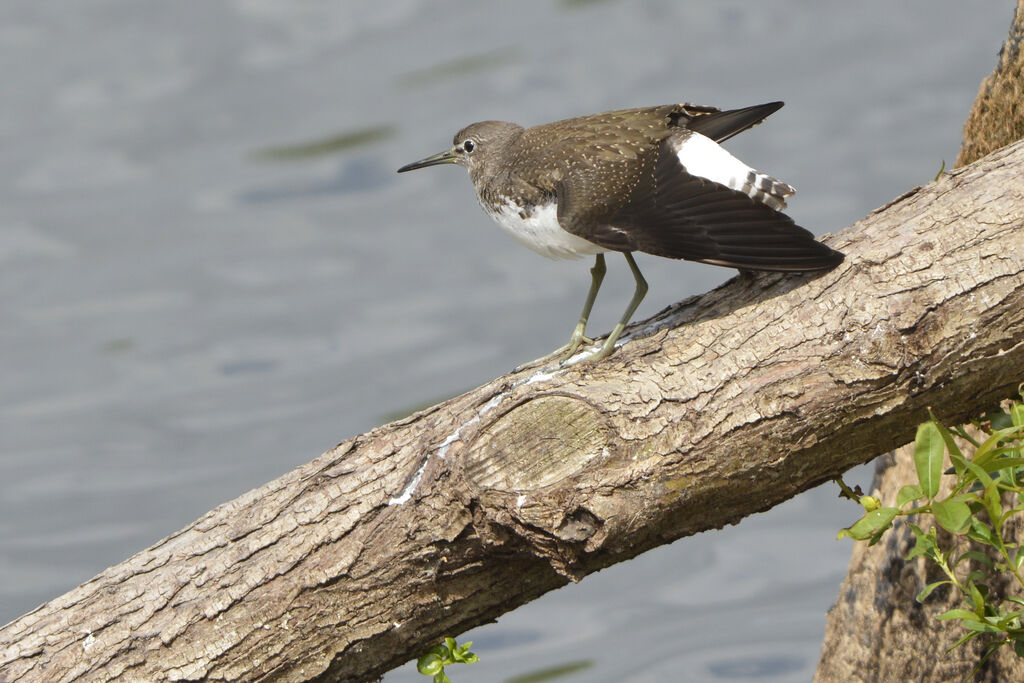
[
  {"x": 722, "y": 125},
  {"x": 682, "y": 216},
  {"x": 584, "y": 219}
]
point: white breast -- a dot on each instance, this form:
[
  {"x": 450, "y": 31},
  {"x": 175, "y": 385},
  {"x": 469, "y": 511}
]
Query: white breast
[{"x": 539, "y": 230}]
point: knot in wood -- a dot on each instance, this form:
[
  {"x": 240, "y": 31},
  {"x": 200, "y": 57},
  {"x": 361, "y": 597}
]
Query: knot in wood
[
  {"x": 536, "y": 444},
  {"x": 578, "y": 527}
]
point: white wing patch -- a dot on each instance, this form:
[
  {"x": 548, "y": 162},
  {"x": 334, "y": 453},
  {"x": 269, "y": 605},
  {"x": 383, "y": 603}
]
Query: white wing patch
[
  {"x": 539, "y": 230},
  {"x": 702, "y": 156}
]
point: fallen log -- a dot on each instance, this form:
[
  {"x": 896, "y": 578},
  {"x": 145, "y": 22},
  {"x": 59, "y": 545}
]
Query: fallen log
[{"x": 720, "y": 406}]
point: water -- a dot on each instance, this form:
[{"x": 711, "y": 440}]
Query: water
[{"x": 181, "y": 320}]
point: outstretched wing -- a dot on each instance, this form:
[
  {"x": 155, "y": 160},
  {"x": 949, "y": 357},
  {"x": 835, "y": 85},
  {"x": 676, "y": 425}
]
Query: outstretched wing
[{"x": 702, "y": 204}]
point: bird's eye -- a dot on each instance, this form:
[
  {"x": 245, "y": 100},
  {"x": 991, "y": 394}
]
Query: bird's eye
[{"x": 469, "y": 146}]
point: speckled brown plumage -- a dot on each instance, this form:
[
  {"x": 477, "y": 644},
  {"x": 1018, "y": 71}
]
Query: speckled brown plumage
[
  {"x": 652, "y": 179},
  {"x": 619, "y": 184}
]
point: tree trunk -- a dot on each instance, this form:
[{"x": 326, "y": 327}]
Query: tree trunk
[
  {"x": 718, "y": 407},
  {"x": 997, "y": 117},
  {"x": 877, "y": 631}
]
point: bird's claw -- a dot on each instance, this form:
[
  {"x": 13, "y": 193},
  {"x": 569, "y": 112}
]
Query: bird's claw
[{"x": 567, "y": 351}]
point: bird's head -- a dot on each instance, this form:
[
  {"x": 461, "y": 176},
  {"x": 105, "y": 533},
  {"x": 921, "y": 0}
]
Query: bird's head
[{"x": 478, "y": 147}]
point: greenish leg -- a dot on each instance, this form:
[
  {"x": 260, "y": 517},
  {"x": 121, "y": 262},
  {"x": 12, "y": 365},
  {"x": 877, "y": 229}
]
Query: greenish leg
[
  {"x": 578, "y": 338},
  {"x": 638, "y": 296}
]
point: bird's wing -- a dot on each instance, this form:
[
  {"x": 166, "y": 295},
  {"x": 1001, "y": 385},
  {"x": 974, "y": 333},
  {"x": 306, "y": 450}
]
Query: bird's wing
[
  {"x": 587, "y": 220},
  {"x": 678, "y": 214},
  {"x": 722, "y": 125},
  {"x": 657, "y": 121}
]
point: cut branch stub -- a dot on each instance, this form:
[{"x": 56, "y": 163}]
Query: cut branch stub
[
  {"x": 540, "y": 442},
  {"x": 524, "y": 467}
]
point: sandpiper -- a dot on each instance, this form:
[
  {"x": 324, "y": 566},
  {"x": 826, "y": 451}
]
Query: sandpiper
[{"x": 653, "y": 179}]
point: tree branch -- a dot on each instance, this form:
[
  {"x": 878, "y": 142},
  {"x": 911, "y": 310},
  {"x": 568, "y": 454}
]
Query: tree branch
[{"x": 720, "y": 406}]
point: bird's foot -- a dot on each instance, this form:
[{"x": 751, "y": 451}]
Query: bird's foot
[
  {"x": 605, "y": 351},
  {"x": 577, "y": 340}
]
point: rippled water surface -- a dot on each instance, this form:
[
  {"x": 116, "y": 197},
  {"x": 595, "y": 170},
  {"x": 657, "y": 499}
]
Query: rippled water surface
[{"x": 196, "y": 298}]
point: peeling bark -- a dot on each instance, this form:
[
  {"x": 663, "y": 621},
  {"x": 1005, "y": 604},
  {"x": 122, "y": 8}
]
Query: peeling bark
[{"x": 720, "y": 406}]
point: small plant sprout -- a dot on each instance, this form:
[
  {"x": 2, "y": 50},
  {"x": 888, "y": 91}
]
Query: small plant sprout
[
  {"x": 450, "y": 652},
  {"x": 986, "y": 491}
]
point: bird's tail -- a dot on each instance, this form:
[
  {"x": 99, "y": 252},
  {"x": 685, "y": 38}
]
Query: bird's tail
[{"x": 770, "y": 191}]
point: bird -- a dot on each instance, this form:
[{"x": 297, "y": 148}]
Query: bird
[{"x": 652, "y": 179}]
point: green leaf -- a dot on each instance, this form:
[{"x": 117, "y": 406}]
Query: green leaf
[
  {"x": 978, "y": 599},
  {"x": 979, "y": 626},
  {"x": 995, "y": 452},
  {"x": 993, "y": 506},
  {"x": 952, "y": 515},
  {"x": 980, "y": 532},
  {"x": 908, "y": 493},
  {"x": 1017, "y": 414},
  {"x": 976, "y": 471},
  {"x": 441, "y": 677},
  {"x": 1018, "y": 647},
  {"x": 927, "y": 590},
  {"x": 947, "y": 436},
  {"x": 924, "y": 544},
  {"x": 462, "y": 655},
  {"x": 429, "y": 664},
  {"x": 969, "y": 498},
  {"x": 997, "y": 464},
  {"x": 976, "y": 576},
  {"x": 869, "y": 524},
  {"x": 876, "y": 537},
  {"x": 958, "y": 614},
  {"x": 977, "y": 556},
  {"x": 928, "y": 451},
  {"x": 1008, "y": 622},
  {"x": 986, "y": 450}
]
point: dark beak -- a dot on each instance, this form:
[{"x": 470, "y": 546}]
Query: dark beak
[{"x": 446, "y": 157}]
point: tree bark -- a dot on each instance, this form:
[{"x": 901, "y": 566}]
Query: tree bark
[
  {"x": 877, "y": 631},
  {"x": 997, "y": 117},
  {"x": 718, "y": 407}
]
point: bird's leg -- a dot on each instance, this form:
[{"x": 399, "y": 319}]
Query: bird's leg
[
  {"x": 578, "y": 339},
  {"x": 638, "y": 296}
]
